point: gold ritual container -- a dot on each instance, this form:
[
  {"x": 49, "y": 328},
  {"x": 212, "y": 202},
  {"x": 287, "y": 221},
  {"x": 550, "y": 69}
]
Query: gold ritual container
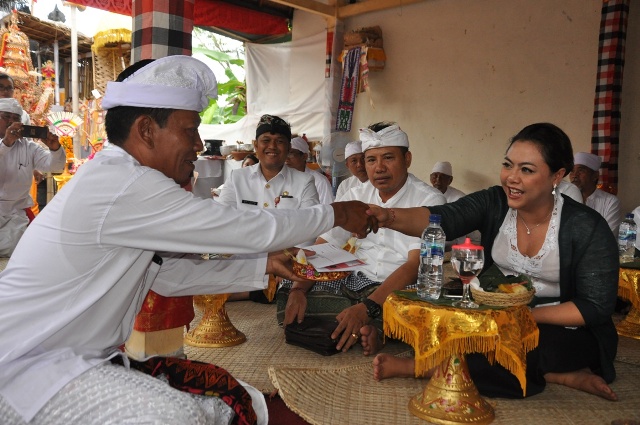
[
  {"x": 215, "y": 329},
  {"x": 629, "y": 289}
]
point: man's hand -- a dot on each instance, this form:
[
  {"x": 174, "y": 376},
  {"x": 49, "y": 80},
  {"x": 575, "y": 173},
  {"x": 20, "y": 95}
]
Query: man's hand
[
  {"x": 296, "y": 306},
  {"x": 12, "y": 133},
  {"x": 352, "y": 216},
  {"x": 51, "y": 141},
  {"x": 350, "y": 321},
  {"x": 38, "y": 176}
]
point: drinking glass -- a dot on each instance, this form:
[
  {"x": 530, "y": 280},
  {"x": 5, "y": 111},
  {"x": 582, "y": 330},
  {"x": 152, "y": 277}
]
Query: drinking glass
[{"x": 467, "y": 260}]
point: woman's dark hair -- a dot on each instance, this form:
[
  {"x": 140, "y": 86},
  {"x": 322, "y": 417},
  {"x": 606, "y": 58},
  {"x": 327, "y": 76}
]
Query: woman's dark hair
[
  {"x": 554, "y": 144},
  {"x": 119, "y": 120},
  {"x": 251, "y": 157}
]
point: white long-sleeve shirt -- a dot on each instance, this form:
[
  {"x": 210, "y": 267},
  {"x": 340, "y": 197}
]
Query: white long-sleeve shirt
[
  {"x": 608, "y": 206},
  {"x": 387, "y": 250},
  {"x": 70, "y": 293},
  {"x": 325, "y": 191},
  {"x": 17, "y": 163}
]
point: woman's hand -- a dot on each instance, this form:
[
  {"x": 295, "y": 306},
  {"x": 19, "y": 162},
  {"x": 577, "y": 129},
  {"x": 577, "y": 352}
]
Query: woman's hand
[{"x": 350, "y": 321}]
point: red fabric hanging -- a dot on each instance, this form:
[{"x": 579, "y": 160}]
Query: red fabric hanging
[
  {"x": 212, "y": 13},
  {"x": 219, "y": 14}
]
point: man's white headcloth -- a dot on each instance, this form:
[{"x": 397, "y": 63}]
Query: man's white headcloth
[
  {"x": 172, "y": 82},
  {"x": 389, "y": 136}
]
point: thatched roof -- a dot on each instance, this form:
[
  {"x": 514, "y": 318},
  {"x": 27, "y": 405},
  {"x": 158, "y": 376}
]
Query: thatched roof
[{"x": 46, "y": 33}]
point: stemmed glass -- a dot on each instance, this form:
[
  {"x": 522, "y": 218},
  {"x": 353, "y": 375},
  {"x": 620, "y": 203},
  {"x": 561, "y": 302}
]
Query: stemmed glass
[{"x": 467, "y": 260}]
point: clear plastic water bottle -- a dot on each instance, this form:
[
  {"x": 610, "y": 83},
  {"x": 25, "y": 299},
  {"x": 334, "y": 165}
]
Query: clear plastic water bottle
[
  {"x": 430, "y": 273},
  {"x": 627, "y": 239}
]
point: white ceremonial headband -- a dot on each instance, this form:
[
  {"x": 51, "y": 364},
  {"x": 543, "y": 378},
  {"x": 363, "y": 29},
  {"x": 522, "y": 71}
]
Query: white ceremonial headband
[
  {"x": 389, "y": 136},
  {"x": 172, "y": 82},
  {"x": 11, "y": 106}
]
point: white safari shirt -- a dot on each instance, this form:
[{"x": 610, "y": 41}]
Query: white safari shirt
[
  {"x": 74, "y": 284},
  {"x": 247, "y": 189}
]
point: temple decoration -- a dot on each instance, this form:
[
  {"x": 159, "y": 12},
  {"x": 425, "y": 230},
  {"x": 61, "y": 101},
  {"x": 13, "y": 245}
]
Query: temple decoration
[
  {"x": 16, "y": 61},
  {"x": 64, "y": 123}
]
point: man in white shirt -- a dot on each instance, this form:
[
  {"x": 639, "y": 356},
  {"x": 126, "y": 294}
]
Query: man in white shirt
[
  {"x": 391, "y": 257},
  {"x": 269, "y": 183},
  {"x": 354, "y": 158},
  {"x": 73, "y": 286},
  {"x": 297, "y": 159},
  {"x": 441, "y": 177},
  {"x": 585, "y": 175},
  {"x": 19, "y": 157}
]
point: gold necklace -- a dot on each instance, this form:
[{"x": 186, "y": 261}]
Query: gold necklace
[{"x": 536, "y": 226}]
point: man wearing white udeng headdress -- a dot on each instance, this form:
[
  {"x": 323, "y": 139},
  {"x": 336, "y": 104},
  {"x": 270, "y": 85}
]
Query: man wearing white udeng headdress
[
  {"x": 78, "y": 276},
  {"x": 391, "y": 257},
  {"x": 354, "y": 159},
  {"x": 18, "y": 158}
]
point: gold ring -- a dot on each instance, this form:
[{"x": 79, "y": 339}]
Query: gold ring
[{"x": 355, "y": 336}]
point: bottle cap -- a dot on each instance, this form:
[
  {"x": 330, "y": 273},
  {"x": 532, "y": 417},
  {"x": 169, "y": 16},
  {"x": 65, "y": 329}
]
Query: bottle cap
[
  {"x": 468, "y": 245},
  {"x": 435, "y": 218}
]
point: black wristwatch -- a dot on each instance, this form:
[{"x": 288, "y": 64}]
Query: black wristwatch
[{"x": 373, "y": 308}]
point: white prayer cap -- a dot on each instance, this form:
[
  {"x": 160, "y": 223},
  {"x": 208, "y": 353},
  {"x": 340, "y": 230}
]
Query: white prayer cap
[
  {"x": 300, "y": 144},
  {"x": 172, "y": 82},
  {"x": 10, "y": 105},
  {"x": 352, "y": 148},
  {"x": 589, "y": 160},
  {"x": 388, "y": 136},
  {"x": 443, "y": 167}
]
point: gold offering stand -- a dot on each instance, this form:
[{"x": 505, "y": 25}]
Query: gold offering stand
[
  {"x": 629, "y": 289},
  {"x": 441, "y": 336},
  {"x": 215, "y": 329}
]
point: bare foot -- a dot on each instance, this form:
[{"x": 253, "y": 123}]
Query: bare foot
[
  {"x": 583, "y": 380},
  {"x": 369, "y": 340},
  {"x": 389, "y": 366}
]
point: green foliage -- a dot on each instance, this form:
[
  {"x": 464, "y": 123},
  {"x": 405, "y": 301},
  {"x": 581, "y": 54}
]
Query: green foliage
[{"x": 231, "y": 104}]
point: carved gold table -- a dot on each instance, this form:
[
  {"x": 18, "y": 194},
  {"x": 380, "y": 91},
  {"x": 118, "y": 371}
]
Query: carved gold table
[
  {"x": 629, "y": 289},
  {"x": 442, "y": 335}
]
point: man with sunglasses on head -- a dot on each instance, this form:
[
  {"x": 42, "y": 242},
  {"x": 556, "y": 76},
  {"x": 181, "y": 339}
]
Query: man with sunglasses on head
[{"x": 18, "y": 158}]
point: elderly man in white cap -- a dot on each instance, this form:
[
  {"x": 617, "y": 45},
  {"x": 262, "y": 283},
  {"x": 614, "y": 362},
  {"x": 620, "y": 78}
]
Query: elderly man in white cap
[
  {"x": 78, "y": 277},
  {"x": 297, "y": 159},
  {"x": 354, "y": 158},
  {"x": 585, "y": 175},
  {"x": 391, "y": 257},
  {"x": 441, "y": 177},
  {"x": 18, "y": 158}
]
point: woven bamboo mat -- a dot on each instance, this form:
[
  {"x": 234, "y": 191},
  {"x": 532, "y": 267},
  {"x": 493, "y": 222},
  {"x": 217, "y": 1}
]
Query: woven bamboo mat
[
  {"x": 265, "y": 347},
  {"x": 349, "y": 395},
  {"x": 340, "y": 389}
]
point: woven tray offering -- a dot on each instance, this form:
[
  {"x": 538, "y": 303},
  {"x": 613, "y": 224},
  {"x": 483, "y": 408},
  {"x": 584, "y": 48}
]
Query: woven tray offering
[
  {"x": 499, "y": 290},
  {"x": 307, "y": 271}
]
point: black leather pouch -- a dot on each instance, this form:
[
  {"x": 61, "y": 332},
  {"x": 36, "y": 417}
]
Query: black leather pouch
[{"x": 313, "y": 334}]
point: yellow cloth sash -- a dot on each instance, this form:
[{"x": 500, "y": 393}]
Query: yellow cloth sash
[{"x": 437, "y": 331}]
